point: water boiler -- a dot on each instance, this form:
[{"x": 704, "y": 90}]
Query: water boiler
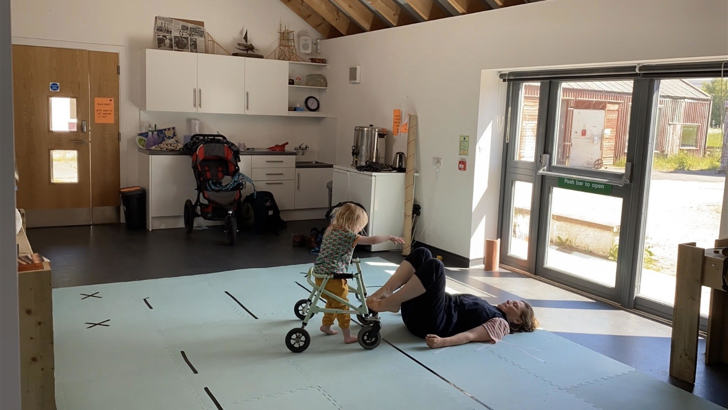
[{"x": 369, "y": 145}]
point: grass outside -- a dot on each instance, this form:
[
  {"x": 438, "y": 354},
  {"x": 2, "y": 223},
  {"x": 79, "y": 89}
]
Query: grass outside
[{"x": 684, "y": 161}]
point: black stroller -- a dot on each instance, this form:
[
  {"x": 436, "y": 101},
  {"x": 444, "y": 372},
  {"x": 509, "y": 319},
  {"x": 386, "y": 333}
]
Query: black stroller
[{"x": 219, "y": 183}]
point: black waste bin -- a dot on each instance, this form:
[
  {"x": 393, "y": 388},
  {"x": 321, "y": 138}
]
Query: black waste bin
[{"x": 134, "y": 200}]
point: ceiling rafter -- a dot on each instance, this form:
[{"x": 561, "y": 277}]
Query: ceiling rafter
[
  {"x": 334, "y": 16},
  {"x": 456, "y": 7},
  {"x": 425, "y": 10},
  {"x": 390, "y": 11},
  {"x": 360, "y": 14},
  {"x": 312, "y": 18}
]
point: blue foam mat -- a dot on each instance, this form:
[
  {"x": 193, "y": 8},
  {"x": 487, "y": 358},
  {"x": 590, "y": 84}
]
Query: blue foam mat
[{"x": 136, "y": 362}]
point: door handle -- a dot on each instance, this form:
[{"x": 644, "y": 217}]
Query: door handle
[
  {"x": 274, "y": 173},
  {"x": 78, "y": 141},
  {"x": 194, "y": 97},
  {"x": 247, "y": 100},
  {"x": 199, "y": 97},
  {"x": 274, "y": 183},
  {"x": 298, "y": 182},
  {"x": 84, "y": 126}
]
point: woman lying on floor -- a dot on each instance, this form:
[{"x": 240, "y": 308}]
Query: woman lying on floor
[{"x": 417, "y": 287}]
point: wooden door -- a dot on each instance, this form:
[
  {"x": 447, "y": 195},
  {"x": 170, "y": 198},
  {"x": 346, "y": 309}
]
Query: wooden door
[{"x": 54, "y": 127}]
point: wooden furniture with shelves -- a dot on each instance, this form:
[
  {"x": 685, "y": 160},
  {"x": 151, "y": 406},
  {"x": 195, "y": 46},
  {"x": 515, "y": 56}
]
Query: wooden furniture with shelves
[
  {"x": 698, "y": 267},
  {"x": 209, "y": 83},
  {"x": 35, "y": 305}
]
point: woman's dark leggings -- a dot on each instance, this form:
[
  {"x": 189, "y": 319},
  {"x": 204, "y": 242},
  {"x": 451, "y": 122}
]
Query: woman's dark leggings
[{"x": 425, "y": 313}]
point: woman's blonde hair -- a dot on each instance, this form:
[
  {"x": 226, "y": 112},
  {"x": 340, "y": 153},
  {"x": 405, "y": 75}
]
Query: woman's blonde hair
[
  {"x": 529, "y": 323},
  {"x": 350, "y": 217}
]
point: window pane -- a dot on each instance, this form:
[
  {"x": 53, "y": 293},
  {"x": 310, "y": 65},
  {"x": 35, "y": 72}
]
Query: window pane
[
  {"x": 584, "y": 235},
  {"x": 64, "y": 166},
  {"x": 520, "y": 219},
  {"x": 527, "y": 122},
  {"x": 63, "y": 114},
  {"x": 593, "y": 125},
  {"x": 685, "y": 195}
]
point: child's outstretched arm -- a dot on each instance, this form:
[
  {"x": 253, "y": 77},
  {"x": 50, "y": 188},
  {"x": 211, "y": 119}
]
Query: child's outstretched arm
[{"x": 371, "y": 240}]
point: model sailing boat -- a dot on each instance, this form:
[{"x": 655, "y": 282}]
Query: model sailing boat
[{"x": 246, "y": 48}]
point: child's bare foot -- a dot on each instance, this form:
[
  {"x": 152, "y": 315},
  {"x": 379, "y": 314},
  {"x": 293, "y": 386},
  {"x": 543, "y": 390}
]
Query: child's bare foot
[
  {"x": 328, "y": 330},
  {"x": 348, "y": 338}
]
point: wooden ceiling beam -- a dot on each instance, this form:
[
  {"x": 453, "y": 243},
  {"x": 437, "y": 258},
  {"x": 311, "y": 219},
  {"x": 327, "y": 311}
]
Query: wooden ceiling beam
[
  {"x": 493, "y": 4},
  {"x": 360, "y": 14},
  {"x": 425, "y": 9},
  {"x": 312, "y": 18},
  {"x": 390, "y": 11},
  {"x": 334, "y": 16},
  {"x": 508, "y": 3},
  {"x": 457, "y": 7}
]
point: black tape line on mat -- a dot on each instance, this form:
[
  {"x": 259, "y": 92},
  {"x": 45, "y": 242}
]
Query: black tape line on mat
[
  {"x": 184, "y": 356},
  {"x": 212, "y": 397},
  {"x": 435, "y": 373},
  {"x": 147, "y": 302},
  {"x": 241, "y": 305},
  {"x": 304, "y": 288}
]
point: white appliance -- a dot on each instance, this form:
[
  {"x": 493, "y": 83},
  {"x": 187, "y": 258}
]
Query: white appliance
[{"x": 381, "y": 193}]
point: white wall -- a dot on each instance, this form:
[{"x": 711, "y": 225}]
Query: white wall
[
  {"x": 9, "y": 347},
  {"x": 126, "y": 27},
  {"x": 446, "y": 72}
]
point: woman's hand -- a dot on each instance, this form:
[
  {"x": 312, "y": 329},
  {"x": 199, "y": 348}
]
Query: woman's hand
[
  {"x": 435, "y": 341},
  {"x": 396, "y": 239}
]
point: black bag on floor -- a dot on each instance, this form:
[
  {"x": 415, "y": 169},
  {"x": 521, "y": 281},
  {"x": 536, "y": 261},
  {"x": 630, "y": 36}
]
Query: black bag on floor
[{"x": 266, "y": 215}]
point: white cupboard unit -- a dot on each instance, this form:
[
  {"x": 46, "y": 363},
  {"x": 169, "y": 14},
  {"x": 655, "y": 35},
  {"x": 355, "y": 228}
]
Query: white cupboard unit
[
  {"x": 300, "y": 91},
  {"x": 266, "y": 86},
  {"x": 169, "y": 182},
  {"x": 311, "y": 190},
  {"x": 381, "y": 193},
  {"x": 276, "y": 174},
  {"x": 190, "y": 82}
]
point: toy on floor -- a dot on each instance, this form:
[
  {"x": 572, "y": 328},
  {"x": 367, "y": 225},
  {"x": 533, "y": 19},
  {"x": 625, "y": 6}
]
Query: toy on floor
[{"x": 298, "y": 339}]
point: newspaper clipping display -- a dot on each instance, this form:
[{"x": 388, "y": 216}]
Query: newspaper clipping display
[{"x": 178, "y": 35}]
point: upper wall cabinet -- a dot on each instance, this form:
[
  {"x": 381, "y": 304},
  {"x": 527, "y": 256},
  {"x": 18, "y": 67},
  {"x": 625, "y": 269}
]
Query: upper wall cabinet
[
  {"x": 266, "y": 86},
  {"x": 190, "y": 82}
]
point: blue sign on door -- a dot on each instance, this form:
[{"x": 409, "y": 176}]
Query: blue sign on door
[{"x": 55, "y": 87}]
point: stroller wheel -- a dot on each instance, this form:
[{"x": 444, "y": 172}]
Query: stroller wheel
[
  {"x": 231, "y": 228},
  {"x": 368, "y": 318},
  {"x": 369, "y": 337},
  {"x": 189, "y": 216},
  {"x": 301, "y": 308},
  {"x": 297, "y": 340}
]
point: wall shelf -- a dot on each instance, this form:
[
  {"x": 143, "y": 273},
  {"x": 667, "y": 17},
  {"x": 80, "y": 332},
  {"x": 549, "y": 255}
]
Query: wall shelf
[
  {"x": 309, "y": 114},
  {"x": 307, "y": 86},
  {"x": 307, "y": 63}
]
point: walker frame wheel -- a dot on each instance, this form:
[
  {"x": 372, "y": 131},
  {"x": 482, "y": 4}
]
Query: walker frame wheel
[
  {"x": 302, "y": 308},
  {"x": 368, "y": 318},
  {"x": 298, "y": 339},
  {"x": 369, "y": 337},
  {"x": 189, "y": 216},
  {"x": 231, "y": 228}
]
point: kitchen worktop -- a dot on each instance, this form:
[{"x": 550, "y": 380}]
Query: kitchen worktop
[
  {"x": 313, "y": 164},
  {"x": 251, "y": 151}
]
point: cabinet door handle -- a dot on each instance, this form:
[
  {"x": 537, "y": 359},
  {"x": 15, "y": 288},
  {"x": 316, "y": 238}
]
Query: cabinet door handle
[
  {"x": 298, "y": 182},
  {"x": 274, "y": 183},
  {"x": 247, "y": 100},
  {"x": 273, "y": 161},
  {"x": 194, "y": 97},
  {"x": 199, "y": 98},
  {"x": 274, "y": 173}
]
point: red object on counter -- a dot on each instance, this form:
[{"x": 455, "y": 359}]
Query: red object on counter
[{"x": 278, "y": 147}]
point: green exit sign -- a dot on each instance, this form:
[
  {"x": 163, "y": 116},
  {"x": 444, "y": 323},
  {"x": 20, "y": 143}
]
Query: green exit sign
[{"x": 586, "y": 186}]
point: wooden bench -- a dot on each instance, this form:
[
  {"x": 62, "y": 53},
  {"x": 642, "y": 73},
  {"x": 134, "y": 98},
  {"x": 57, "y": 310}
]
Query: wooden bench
[{"x": 698, "y": 267}]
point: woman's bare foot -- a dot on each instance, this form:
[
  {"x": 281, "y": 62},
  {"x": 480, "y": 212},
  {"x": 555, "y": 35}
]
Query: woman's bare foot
[
  {"x": 328, "y": 330},
  {"x": 348, "y": 338}
]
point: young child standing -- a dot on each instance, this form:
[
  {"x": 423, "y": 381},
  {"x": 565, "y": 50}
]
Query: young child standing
[{"x": 337, "y": 248}]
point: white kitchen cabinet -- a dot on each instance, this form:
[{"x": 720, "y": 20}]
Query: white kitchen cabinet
[
  {"x": 266, "y": 86},
  {"x": 381, "y": 193},
  {"x": 276, "y": 174},
  {"x": 191, "y": 82},
  {"x": 311, "y": 190}
]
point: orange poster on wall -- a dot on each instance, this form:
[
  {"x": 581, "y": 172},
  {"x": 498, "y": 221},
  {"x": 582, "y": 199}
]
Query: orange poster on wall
[
  {"x": 103, "y": 110},
  {"x": 396, "y": 121}
]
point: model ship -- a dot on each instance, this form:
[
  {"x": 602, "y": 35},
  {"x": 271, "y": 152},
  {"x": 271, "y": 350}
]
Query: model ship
[{"x": 246, "y": 48}]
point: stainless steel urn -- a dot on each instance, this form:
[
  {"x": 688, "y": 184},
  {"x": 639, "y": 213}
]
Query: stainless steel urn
[{"x": 369, "y": 145}]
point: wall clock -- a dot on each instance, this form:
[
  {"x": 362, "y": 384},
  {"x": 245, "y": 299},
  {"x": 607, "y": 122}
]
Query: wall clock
[{"x": 312, "y": 103}]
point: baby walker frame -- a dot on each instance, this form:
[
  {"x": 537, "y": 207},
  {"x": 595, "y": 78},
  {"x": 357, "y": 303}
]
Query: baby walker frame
[{"x": 298, "y": 339}]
